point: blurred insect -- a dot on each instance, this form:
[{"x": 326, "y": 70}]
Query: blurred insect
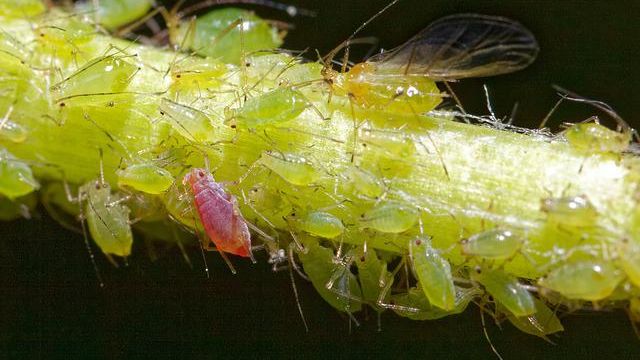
[
  {"x": 218, "y": 210},
  {"x": 402, "y": 80},
  {"x": 570, "y": 211},
  {"x": 506, "y": 290},
  {"x": 542, "y": 323},
  {"x": 114, "y": 13},
  {"x": 583, "y": 280},
  {"x": 629, "y": 254},
  {"x": 591, "y": 137},
  {"x": 414, "y": 304},
  {"x": 10, "y": 130},
  {"x": 16, "y": 177}
]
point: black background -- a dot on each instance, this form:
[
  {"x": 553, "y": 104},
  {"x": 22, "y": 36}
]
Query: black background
[{"x": 51, "y": 305}]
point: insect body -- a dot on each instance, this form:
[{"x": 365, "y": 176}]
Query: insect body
[
  {"x": 506, "y": 290},
  {"x": 434, "y": 274},
  {"x": 593, "y": 137},
  {"x": 16, "y": 178},
  {"x": 574, "y": 211},
  {"x": 414, "y": 304},
  {"x": 145, "y": 177},
  {"x": 219, "y": 213},
  {"x": 541, "y": 324},
  {"x": 492, "y": 244},
  {"x": 322, "y": 224},
  {"x": 274, "y": 107},
  {"x": 391, "y": 217},
  {"x": 454, "y": 47},
  {"x": 585, "y": 280}
]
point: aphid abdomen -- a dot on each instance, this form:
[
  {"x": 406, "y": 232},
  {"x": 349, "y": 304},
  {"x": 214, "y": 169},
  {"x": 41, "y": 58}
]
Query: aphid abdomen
[
  {"x": 16, "y": 178},
  {"x": 322, "y": 224},
  {"x": 594, "y": 138},
  {"x": 493, "y": 244},
  {"x": 506, "y": 290},
  {"x": 585, "y": 280},
  {"x": 434, "y": 274},
  {"x": 391, "y": 217},
  {"x": 108, "y": 223},
  {"x": 541, "y": 324},
  {"x": 188, "y": 122},
  {"x": 278, "y": 106},
  {"x": 147, "y": 178},
  {"x": 572, "y": 211},
  {"x": 12, "y": 131},
  {"x": 294, "y": 169}
]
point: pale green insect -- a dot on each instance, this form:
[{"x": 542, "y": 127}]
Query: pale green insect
[
  {"x": 197, "y": 74},
  {"x": 391, "y": 217},
  {"x": 107, "y": 219},
  {"x": 12, "y": 131},
  {"x": 506, "y": 290},
  {"x": 21, "y": 8},
  {"x": 218, "y": 33},
  {"x": 323, "y": 271},
  {"x": 191, "y": 123},
  {"x": 294, "y": 169},
  {"x": 574, "y": 211},
  {"x": 145, "y": 177},
  {"x": 495, "y": 244},
  {"x": 595, "y": 138},
  {"x": 114, "y": 13},
  {"x": 275, "y": 107},
  {"x": 542, "y": 323},
  {"x": 584, "y": 280},
  {"x": 395, "y": 143},
  {"x": 363, "y": 182},
  {"x": 414, "y": 304},
  {"x": 321, "y": 224},
  {"x": 433, "y": 273},
  {"x": 630, "y": 262},
  {"x": 105, "y": 74},
  {"x": 16, "y": 178},
  {"x": 373, "y": 276},
  {"x": 179, "y": 205}
]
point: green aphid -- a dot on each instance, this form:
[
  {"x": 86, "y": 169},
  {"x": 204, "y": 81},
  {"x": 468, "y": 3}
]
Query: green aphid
[
  {"x": 295, "y": 169},
  {"x": 495, "y": 244},
  {"x": 21, "y": 8},
  {"x": 197, "y": 74},
  {"x": 373, "y": 276},
  {"x": 363, "y": 182},
  {"x": 228, "y": 34},
  {"x": 191, "y": 123},
  {"x": 114, "y": 13},
  {"x": 107, "y": 219},
  {"x": 16, "y": 178},
  {"x": 106, "y": 74},
  {"x": 415, "y": 305},
  {"x": 433, "y": 273},
  {"x": 542, "y": 323},
  {"x": 275, "y": 107},
  {"x": 630, "y": 262},
  {"x": 12, "y": 131},
  {"x": 146, "y": 177},
  {"x": 394, "y": 143},
  {"x": 571, "y": 211},
  {"x": 323, "y": 271},
  {"x": 583, "y": 280},
  {"x": 390, "y": 217},
  {"x": 506, "y": 290},
  {"x": 592, "y": 137},
  {"x": 321, "y": 224},
  {"x": 179, "y": 204}
]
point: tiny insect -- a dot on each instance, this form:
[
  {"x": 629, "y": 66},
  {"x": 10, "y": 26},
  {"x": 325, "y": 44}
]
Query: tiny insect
[
  {"x": 506, "y": 290},
  {"x": 218, "y": 210},
  {"x": 114, "y": 13},
  {"x": 495, "y": 244},
  {"x": 542, "y": 323},
  {"x": 363, "y": 182},
  {"x": 10, "y": 130},
  {"x": 16, "y": 177},
  {"x": 574, "y": 211},
  {"x": 294, "y": 169},
  {"x": 145, "y": 177},
  {"x": 391, "y": 217},
  {"x": 373, "y": 276},
  {"x": 187, "y": 121},
  {"x": 20, "y": 8},
  {"x": 277, "y": 106},
  {"x": 321, "y": 224},
  {"x": 433, "y": 273},
  {"x": 591, "y": 137},
  {"x": 452, "y": 48},
  {"x": 414, "y": 304},
  {"x": 583, "y": 280}
]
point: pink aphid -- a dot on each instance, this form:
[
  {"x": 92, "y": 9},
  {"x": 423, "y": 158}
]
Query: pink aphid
[{"x": 219, "y": 213}]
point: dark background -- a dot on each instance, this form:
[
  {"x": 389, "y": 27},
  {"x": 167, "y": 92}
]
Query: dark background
[{"x": 51, "y": 305}]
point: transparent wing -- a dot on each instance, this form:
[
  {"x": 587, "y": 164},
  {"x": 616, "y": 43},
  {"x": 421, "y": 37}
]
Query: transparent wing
[{"x": 462, "y": 46}]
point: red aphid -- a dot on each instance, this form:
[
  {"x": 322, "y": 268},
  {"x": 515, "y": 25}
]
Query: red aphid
[{"x": 219, "y": 213}]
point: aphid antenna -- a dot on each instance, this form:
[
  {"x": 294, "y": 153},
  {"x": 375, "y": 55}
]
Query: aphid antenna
[
  {"x": 295, "y": 288},
  {"x": 201, "y": 243},
  {"x": 293, "y": 262},
  {"x": 87, "y": 244}
]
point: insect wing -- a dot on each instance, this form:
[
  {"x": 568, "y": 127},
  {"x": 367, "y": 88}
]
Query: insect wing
[{"x": 462, "y": 46}]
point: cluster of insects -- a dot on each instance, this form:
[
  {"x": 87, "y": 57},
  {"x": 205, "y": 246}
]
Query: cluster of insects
[{"x": 224, "y": 154}]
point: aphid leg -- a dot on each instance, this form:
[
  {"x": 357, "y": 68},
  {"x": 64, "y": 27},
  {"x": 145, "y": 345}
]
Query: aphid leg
[
  {"x": 201, "y": 243},
  {"x": 457, "y": 100},
  {"x": 228, "y": 261},
  {"x": 185, "y": 256},
  {"x": 295, "y": 266},
  {"x": 87, "y": 244},
  {"x": 486, "y": 333},
  {"x": 295, "y": 291},
  {"x": 386, "y": 288}
]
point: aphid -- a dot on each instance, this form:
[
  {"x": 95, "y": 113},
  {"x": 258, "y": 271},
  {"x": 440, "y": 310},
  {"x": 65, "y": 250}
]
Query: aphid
[
  {"x": 195, "y": 74},
  {"x": 145, "y": 177},
  {"x": 217, "y": 33},
  {"x": 219, "y": 213},
  {"x": 321, "y": 224},
  {"x": 295, "y": 169},
  {"x": 592, "y": 137},
  {"x": 12, "y": 131},
  {"x": 542, "y": 323},
  {"x": 17, "y": 208},
  {"x": 277, "y": 106},
  {"x": 16, "y": 178},
  {"x": 373, "y": 276},
  {"x": 506, "y": 290},
  {"x": 191, "y": 123},
  {"x": 630, "y": 262},
  {"x": 402, "y": 80},
  {"x": 20, "y": 8},
  {"x": 114, "y": 13},
  {"x": 107, "y": 218},
  {"x": 414, "y": 304},
  {"x": 363, "y": 182},
  {"x": 394, "y": 143},
  {"x": 105, "y": 74},
  {"x": 390, "y": 217},
  {"x": 433, "y": 273},
  {"x": 495, "y": 244},
  {"x": 572, "y": 211},
  {"x": 321, "y": 268},
  {"x": 583, "y": 280}
]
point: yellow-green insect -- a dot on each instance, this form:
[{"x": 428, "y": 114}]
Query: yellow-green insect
[
  {"x": 294, "y": 169},
  {"x": 145, "y": 177},
  {"x": 414, "y": 304},
  {"x": 433, "y": 273},
  {"x": 390, "y": 217},
  {"x": 189, "y": 122},
  {"x": 321, "y": 224},
  {"x": 591, "y": 137},
  {"x": 12, "y": 131},
  {"x": 495, "y": 244},
  {"x": 363, "y": 183},
  {"x": 583, "y": 280},
  {"x": 373, "y": 277},
  {"x": 16, "y": 178},
  {"x": 114, "y": 13},
  {"x": 506, "y": 290},
  {"x": 275, "y": 107},
  {"x": 571, "y": 211},
  {"x": 542, "y": 323}
]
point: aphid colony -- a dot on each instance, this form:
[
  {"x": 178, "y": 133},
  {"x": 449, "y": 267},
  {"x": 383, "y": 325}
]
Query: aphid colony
[{"x": 345, "y": 172}]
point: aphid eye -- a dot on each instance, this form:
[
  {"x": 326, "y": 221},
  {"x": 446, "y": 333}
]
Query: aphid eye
[
  {"x": 478, "y": 270},
  {"x": 362, "y": 258},
  {"x": 200, "y": 174},
  {"x": 178, "y": 76},
  {"x": 418, "y": 242}
]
